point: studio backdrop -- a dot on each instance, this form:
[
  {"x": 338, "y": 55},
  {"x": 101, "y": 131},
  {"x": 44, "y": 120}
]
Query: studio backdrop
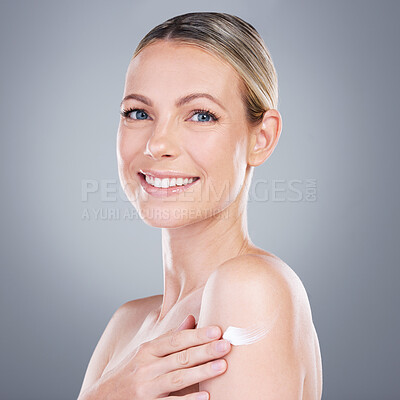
[{"x": 73, "y": 249}]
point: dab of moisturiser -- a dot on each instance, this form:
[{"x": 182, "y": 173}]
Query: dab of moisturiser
[{"x": 242, "y": 336}]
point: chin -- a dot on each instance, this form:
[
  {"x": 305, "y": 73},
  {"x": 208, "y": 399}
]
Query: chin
[
  {"x": 173, "y": 217},
  {"x": 171, "y": 223}
]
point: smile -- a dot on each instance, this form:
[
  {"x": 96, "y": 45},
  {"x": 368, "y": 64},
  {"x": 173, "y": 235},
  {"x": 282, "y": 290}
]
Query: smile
[
  {"x": 168, "y": 182},
  {"x": 160, "y": 187}
]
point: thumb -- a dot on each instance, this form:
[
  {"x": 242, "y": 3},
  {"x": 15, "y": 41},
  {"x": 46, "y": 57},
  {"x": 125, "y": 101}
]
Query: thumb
[{"x": 188, "y": 323}]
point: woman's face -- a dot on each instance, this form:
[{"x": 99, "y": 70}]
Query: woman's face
[{"x": 183, "y": 116}]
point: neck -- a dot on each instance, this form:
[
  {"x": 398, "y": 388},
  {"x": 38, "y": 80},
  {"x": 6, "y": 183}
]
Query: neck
[{"x": 191, "y": 253}]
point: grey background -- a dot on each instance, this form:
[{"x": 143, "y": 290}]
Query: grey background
[{"x": 62, "y": 277}]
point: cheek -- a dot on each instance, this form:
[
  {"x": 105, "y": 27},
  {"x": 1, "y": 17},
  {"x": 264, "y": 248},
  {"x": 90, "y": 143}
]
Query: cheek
[
  {"x": 128, "y": 146},
  {"x": 222, "y": 162}
]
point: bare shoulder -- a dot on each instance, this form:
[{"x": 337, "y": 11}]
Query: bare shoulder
[
  {"x": 261, "y": 274},
  {"x": 261, "y": 289},
  {"x": 267, "y": 278},
  {"x": 259, "y": 283},
  {"x": 124, "y": 322},
  {"x": 129, "y": 316}
]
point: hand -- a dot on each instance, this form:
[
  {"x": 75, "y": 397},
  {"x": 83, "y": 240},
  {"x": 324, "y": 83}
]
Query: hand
[{"x": 171, "y": 362}]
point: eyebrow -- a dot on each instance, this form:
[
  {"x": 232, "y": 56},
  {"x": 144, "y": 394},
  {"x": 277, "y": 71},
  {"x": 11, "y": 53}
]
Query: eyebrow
[{"x": 180, "y": 102}]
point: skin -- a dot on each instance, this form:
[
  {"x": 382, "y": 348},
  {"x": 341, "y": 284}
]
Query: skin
[
  {"x": 220, "y": 153},
  {"x": 206, "y": 247}
]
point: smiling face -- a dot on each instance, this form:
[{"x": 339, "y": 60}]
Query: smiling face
[{"x": 182, "y": 117}]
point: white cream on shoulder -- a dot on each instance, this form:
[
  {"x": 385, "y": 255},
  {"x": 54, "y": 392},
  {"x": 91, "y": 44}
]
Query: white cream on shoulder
[{"x": 243, "y": 336}]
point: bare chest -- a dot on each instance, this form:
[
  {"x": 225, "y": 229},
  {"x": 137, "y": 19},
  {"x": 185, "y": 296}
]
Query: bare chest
[{"x": 147, "y": 331}]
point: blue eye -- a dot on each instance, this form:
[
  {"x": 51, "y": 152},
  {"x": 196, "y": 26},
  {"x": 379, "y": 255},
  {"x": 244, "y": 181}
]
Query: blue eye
[
  {"x": 205, "y": 116},
  {"x": 140, "y": 114}
]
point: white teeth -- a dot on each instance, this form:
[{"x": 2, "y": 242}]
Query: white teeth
[
  {"x": 167, "y": 182},
  {"x": 157, "y": 182}
]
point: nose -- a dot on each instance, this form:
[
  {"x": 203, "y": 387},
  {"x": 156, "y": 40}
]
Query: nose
[{"x": 163, "y": 140}]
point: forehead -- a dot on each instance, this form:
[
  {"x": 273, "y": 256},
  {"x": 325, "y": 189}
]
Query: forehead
[{"x": 169, "y": 68}]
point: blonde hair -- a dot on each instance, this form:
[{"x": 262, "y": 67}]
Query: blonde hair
[{"x": 235, "y": 41}]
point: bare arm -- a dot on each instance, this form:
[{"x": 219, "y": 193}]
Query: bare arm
[{"x": 248, "y": 291}]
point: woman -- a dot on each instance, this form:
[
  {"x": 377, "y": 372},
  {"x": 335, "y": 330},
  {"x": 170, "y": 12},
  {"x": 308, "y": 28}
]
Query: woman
[{"x": 197, "y": 115}]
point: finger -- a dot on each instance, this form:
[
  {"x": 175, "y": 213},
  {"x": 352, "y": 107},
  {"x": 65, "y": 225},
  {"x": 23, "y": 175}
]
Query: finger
[
  {"x": 191, "y": 396},
  {"x": 171, "y": 342},
  {"x": 182, "y": 378},
  {"x": 188, "y": 323},
  {"x": 192, "y": 356}
]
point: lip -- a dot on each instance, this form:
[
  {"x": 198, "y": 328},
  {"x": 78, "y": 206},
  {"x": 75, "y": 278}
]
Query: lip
[{"x": 164, "y": 192}]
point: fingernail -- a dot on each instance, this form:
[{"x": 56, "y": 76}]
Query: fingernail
[
  {"x": 213, "y": 332},
  {"x": 202, "y": 396},
  {"x": 218, "y": 365},
  {"x": 183, "y": 321}
]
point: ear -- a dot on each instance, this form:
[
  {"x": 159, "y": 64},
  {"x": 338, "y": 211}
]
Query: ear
[{"x": 264, "y": 137}]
